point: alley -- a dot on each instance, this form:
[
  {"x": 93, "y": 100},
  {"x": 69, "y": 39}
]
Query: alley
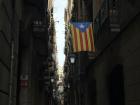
[{"x": 69, "y": 52}]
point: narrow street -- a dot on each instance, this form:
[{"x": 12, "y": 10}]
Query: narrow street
[{"x": 69, "y": 52}]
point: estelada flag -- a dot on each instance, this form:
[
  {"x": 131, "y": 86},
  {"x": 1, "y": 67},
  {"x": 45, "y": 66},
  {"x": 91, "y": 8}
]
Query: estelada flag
[{"x": 82, "y": 36}]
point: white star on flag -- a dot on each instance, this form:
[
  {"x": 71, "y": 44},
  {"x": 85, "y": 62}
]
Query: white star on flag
[{"x": 82, "y": 26}]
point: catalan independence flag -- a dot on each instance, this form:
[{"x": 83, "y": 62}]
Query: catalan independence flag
[{"x": 82, "y": 36}]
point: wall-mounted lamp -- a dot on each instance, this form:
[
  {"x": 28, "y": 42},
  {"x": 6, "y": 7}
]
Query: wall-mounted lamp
[
  {"x": 72, "y": 58},
  {"x": 52, "y": 80}
]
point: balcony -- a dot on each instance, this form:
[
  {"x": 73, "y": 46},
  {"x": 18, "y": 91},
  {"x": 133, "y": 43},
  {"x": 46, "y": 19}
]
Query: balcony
[
  {"x": 106, "y": 24},
  {"x": 38, "y": 26},
  {"x": 112, "y": 18}
]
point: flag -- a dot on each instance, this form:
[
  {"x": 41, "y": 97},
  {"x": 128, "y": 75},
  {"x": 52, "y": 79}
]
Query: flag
[{"x": 82, "y": 36}]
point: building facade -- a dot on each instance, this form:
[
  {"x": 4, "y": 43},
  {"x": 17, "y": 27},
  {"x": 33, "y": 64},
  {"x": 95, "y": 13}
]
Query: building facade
[
  {"x": 113, "y": 69},
  {"x": 75, "y": 91},
  {"x": 27, "y": 52},
  {"x": 10, "y": 16},
  {"x": 112, "y": 76}
]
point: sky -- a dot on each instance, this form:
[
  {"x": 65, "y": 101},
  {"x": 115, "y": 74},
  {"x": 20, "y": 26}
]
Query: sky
[{"x": 59, "y": 6}]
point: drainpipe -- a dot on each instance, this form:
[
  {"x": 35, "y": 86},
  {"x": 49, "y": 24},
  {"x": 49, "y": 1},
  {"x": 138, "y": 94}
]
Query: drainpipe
[
  {"x": 12, "y": 53},
  {"x": 11, "y": 73}
]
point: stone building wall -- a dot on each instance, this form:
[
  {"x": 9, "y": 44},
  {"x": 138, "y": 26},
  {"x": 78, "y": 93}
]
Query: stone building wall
[
  {"x": 123, "y": 51},
  {"x": 9, "y": 29}
]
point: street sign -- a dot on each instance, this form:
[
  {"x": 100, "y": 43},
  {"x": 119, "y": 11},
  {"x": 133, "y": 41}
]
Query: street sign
[{"x": 24, "y": 81}]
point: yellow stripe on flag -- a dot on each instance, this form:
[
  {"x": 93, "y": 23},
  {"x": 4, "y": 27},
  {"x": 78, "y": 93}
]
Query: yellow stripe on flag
[
  {"x": 92, "y": 38},
  {"x": 78, "y": 39},
  {"x": 88, "y": 35},
  {"x": 84, "y": 41}
]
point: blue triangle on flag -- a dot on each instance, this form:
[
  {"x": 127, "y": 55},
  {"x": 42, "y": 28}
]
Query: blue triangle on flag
[{"x": 82, "y": 26}]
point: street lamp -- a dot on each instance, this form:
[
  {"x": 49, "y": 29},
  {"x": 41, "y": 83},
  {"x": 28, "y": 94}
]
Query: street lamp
[
  {"x": 52, "y": 80},
  {"x": 72, "y": 58},
  {"x": 68, "y": 86},
  {"x": 53, "y": 90}
]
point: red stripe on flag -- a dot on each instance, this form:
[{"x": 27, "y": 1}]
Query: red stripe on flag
[
  {"x": 75, "y": 39},
  {"x": 91, "y": 38},
  {"x": 86, "y": 39},
  {"x": 81, "y": 41}
]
